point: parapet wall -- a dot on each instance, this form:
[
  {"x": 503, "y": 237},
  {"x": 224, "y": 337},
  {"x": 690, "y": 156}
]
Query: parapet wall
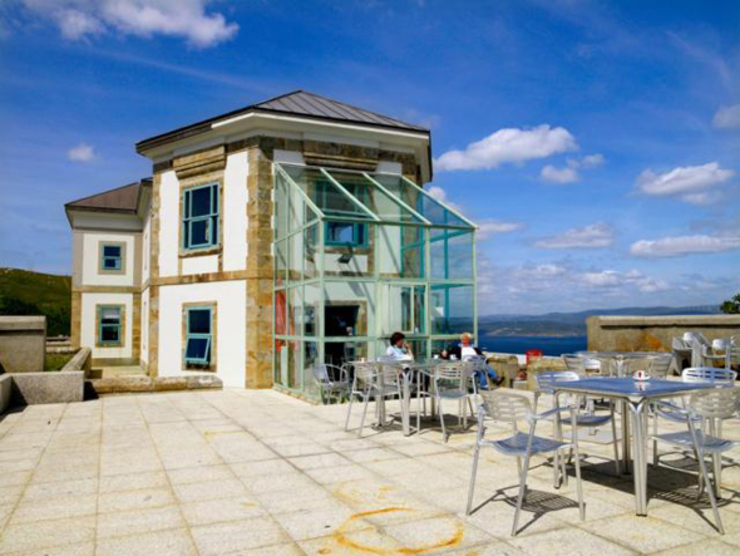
[
  {"x": 636, "y": 333},
  {"x": 22, "y": 344}
]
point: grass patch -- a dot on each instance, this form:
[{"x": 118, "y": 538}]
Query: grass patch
[{"x": 55, "y": 361}]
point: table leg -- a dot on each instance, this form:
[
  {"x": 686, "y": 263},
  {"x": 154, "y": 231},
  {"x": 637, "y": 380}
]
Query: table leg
[
  {"x": 639, "y": 468},
  {"x": 406, "y": 404},
  {"x": 626, "y": 456}
]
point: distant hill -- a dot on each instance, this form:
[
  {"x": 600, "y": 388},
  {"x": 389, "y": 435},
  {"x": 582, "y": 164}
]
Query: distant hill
[
  {"x": 572, "y": 324},
  {"x": 23, "y": 292}
]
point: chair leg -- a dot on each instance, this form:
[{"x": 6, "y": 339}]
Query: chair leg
[
  {"x": 579, "y": 487},
  {"x": 522, "y": 490},
  {"x": 473, "y": 473},
  {"x": 710, "y": 492},
  {"x": 656, "y": 457},
  {"x": 536, "y": 399},
  {"x": 615, "y": 442},
  {"x": 441, "y": 418},
  {"x": 364, "y": 414},
  {"x": 349, "y": 411}
]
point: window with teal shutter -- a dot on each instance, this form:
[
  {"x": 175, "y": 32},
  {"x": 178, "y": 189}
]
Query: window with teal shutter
[
  {"x": 198, "y": 337},
  {"x": 110, "y": 323},
  {"x": 200, "y": 217}
]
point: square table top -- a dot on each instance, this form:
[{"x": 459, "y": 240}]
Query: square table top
[{"x": 630, "y": 388}]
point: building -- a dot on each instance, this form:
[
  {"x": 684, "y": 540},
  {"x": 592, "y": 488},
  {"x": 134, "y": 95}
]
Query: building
[{"x": 268, "y": 239}]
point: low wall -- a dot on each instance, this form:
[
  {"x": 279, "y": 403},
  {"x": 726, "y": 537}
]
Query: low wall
[
  {"x": 617, "y": 333},
  {"x": 47, "y": 387},
  {"x": 22, "y": 344},
  {"x": 6, "y": 388}
]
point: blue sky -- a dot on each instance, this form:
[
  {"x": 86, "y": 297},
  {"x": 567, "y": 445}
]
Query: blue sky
[{"x": 597, "y": 144}]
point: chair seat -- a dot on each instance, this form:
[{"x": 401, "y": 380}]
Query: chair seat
[
  {"x": 591, "y": 420},
  {"x": 709, "y": 444},
  {"x": 453, "y": 394},
  {"x": 517, "y": 445}
]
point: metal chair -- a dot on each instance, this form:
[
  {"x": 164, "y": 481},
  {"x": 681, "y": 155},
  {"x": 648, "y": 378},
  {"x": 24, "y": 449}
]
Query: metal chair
[
  {"x": 370, "y": 382},
  {"x": 591, "y": 420},
  {"x": 660, "y": 365},
  {"x": 333, "y": 381},
  {"x": 681, "y": 351},
  {"x": 711, "y": 406},
  {"x": 508, "y": 407},
  {"x": 676, "y": 413},
  {"x": 452, "y": 382}
]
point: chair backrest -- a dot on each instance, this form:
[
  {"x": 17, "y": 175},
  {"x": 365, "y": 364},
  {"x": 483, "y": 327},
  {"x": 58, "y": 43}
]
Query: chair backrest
[
  {"x": 366, "y": 371},
  {"x": 506, "y": 407},
  {"x": 660, "y": 365},
  {"x": 321, "y": 374},
  {"x": 678, "y": 344},
  {"x": 708, "y": 374},
  {"x": 715, "y": 404},
  {"x": 546, "y": 378},
  {"x": 574, "y": 363},
  {"x": 690, "y": 337},
  {"x": 453, "y": 374}
]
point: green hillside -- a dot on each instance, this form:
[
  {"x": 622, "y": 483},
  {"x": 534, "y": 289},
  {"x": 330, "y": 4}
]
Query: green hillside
[{"x": 23, "y": 292}]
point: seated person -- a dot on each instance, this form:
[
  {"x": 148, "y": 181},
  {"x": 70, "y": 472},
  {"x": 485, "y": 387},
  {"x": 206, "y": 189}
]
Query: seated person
[
  {"x": 466, "y": 351},
  {"x": 399, "y": 350}
]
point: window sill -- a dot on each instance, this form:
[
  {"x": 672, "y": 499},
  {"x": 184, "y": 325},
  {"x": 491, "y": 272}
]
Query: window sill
[{"x": 201, "y": 252}]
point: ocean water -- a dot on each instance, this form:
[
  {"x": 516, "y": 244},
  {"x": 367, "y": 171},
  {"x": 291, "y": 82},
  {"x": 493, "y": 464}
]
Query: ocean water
[{"x": 548, "y": 345}]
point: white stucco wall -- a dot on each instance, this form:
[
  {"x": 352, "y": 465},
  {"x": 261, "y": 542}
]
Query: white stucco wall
[
  {"x": 146, "y": 249},
  {"x": 199, "y": 265},
  {"x": 169, "y": 224},
  {"x": 230, "y": 298},
  {"x": 234, "y": 206},
  {"x": 89, "y": 323},
  {"x": 91, "y": 275}
]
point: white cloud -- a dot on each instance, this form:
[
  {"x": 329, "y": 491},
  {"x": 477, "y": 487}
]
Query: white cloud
[
  {"x": 727, "y": 117},
  {"x": 488, "y": 228},
  {"x": 610, "y": 279},
  {"x": 512, "y": 145},
  {"x": 589, "y": 237},
  {"x": 683, "y": 245},
  {"x": 79, "y": 19},
  {"x": 441, "y": 195},
  {"x": 688, "y": 182},
  {"x": 81, "y": 153},
  {"x": 569, "y": 173}
]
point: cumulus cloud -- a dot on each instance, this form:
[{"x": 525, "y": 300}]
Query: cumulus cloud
[
  {"x": 81, "y": 153},
  {"x": 614, "y": 279},
  {"x": 570, "y": 173},
  {"x": 727, "y": 117},
  {"x": 683, "y": 245},
  {"x": 509, "y": 145},
  {"x": 593, "y": 236},
  {"x": 80, "y": 19},
  {"x": 690, "y": 183}
]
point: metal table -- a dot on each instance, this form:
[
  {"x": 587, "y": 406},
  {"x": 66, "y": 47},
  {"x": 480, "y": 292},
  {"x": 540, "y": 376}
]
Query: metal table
[
  {"x": 636, "y": 395},
  {"x": 620, "y": 357}
]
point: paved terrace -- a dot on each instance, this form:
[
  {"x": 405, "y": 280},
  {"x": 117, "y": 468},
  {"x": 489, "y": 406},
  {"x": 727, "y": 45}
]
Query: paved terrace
[{"x": 256, "y": 472}]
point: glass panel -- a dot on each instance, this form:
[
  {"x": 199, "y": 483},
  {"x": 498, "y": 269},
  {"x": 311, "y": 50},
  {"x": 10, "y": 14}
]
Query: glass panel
[
  {"x": 281, "y": 307},
  {"x": 460, "y": 255},
  {"x": 310, "y": 245},
  {"x": 295, "y": 269},
  {"x": 110, "y": 333},
  {"x": 311, "y": 300},
  {"x": 111, "y": 250},
  {"x": 198, "y": 232},
  {"x": 452, "y": 309},
  {"x": 281, "y": 205},
  {"x": 438, "y": 253},
  {"x": 338, "y": 353},
  {"x": 286, "y": 355},
  {"x": 347, "y": 307},
  {"x": 197, "y": 348},
  {"x": 323, "y": 193},
  {"x": 200, "y": 201},
  {"x": 295, "y": 311},
  {"x": 347, "y": 259},
  {"x": 111, "y": 264},
  {"x": 310, "y": 360},
  {"x": 281, "y": 261},
  {"x": 341, "y": 232},
  {"x": 419, "y": 310},
  {"x": 199, "y": 321},
  {"x": 110, "y": 315}
]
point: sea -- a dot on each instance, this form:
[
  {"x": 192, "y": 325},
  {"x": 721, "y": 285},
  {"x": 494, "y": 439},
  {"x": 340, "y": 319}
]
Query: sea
[{"x": 548, "y": 345}]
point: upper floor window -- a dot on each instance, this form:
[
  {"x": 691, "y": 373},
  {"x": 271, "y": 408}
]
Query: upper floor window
[
  {"x": 200, "y": 217},
  {"x": 112, "y": 257},
  {"x": 110, "y": 325},
  {"x": 198, "y": 336}
]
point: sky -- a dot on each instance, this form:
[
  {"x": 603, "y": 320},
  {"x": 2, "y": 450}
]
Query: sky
[{"x": 596, "y": 144}]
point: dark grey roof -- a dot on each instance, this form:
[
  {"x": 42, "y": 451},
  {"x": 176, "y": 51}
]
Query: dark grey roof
[
  {"x": 297, "y": 103},
  {"x": 124, "y": 199}
]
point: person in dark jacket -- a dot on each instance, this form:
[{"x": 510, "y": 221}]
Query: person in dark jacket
[{"x": 465, "y": 351}]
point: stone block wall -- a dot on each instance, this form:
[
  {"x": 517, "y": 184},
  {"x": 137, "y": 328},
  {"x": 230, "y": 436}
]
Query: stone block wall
[
  {"x": 22, "y": 344},
  {"x": 636, "y": 333}
]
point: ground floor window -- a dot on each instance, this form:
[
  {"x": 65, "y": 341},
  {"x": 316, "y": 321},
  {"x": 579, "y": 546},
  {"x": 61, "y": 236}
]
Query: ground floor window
[
  {"x": 110, "y": 325},
  {"x": 198, "y": 335}
]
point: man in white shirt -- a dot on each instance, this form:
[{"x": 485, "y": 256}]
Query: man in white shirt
[{"x": 399, "y": 350}]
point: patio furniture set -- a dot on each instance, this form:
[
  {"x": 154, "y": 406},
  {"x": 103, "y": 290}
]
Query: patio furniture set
[{"x": 597, "y": 391}]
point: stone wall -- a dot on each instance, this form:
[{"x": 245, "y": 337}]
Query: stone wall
[
  {"x": 617, "y": 333},
  {"x": 22, "y": 344}
]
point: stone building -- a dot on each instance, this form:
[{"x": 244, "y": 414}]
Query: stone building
[{"x": 269, "y": 239}]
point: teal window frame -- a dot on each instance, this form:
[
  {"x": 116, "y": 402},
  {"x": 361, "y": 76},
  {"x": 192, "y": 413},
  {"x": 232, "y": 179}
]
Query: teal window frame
[
  {"x": 206, "y": 359},
  {"x": 359, "y": 229},
  {"x": 117, "y": 326},
  {"x": 211, "y": 218}
]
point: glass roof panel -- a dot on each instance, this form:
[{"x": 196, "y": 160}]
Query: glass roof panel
[{"x": 434, "y": 210}]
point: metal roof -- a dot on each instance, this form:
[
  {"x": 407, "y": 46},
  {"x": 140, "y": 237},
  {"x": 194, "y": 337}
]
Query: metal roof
[
  {"x": 298, "y": 103},
  {"x": 121, "y": 199}
]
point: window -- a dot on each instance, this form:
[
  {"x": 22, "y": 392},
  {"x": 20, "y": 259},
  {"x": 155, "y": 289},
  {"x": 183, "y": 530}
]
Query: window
[
  {"x": 110, "y": 325},
  {"x": 200, "y": 217},
  {"x": 198, "y": 336},
  {"x": 342, "y": 233},
  {"x": 111, "y": 258}
]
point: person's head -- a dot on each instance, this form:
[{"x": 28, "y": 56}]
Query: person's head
[
  {"x": 465, "y": 339},
  {"x": 397, "y": 339}
]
